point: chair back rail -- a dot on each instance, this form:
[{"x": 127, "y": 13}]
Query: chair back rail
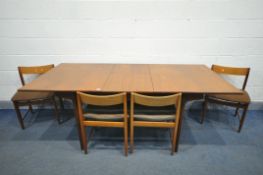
[
  {"x": 102, "y": 100},
  {"x": 155, "y": 100},
  {"x": 238, "y": 71},
  {"x": 33, "y": 70}
]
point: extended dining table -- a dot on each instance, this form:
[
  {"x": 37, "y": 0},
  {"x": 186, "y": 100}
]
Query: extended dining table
[{"x": 193, "y": 81}]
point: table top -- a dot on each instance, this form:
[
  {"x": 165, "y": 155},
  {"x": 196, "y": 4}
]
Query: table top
[{"x": 71, "y": 77}]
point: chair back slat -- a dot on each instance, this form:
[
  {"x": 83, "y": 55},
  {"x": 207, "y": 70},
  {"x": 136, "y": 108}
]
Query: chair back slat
[
  {"x": 155, "y": 101},
  {"x": 239, "y": 71},
  {"x": 230, "y": 70},
  {"x": 102, "y": 100},
  {"x": 35, "y": 69}
]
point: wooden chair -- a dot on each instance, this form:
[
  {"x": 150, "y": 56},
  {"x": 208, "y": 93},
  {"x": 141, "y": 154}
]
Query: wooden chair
[
  {"x": 119, "y": 119},
  {"x": 24, "y": 98},
  {"x": 232, "y": 100},
  {"x": 160, "y": 121}
]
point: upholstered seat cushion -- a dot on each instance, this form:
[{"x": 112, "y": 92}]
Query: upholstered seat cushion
[
  {"x": 141, "y": 112},
  {"x": 240, "y": 98},
  {"x": 104, "y": 113},
  {"x": 31, "y": 96},
  {"x": 103, "y": 117},
  {"x": 146, "y": 113},
  {"x": 138, "y": 109},
  {"x": 156, "y": 118}
]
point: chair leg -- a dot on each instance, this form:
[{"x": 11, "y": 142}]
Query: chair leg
[
  {"x": 179, "y": 127},
  {"x": 74, "y": 102},
  {"x": 84, "y": 138},
  {"x": 236, "y": 112},
  {"x": 91, "y": 133},
  {"x": 131, "y": 137},
  {"x": 203, "y": 111},
  {"x": 19, "y": 115},
  {"x": 61, "y": 103},
  {"x": 174, "y": 140},
  {"x": 30, "y": 108},
  {"x": 242, "y": 118},
  {"x": 126, "y": 139},
  {"x": 171, "y": 136},
  {"x": 56, "y": 109}
]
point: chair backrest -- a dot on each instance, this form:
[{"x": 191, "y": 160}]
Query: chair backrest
[
  {"x": 157, "y": 101},
  {"x": 238, "y": 71},
  {"x": 102, "y": 100},
  {"x": 33, "y": 70}
]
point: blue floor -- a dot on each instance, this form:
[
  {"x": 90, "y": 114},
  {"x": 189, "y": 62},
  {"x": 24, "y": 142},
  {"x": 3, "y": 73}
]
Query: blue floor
[{"x": 214, "y": 148}]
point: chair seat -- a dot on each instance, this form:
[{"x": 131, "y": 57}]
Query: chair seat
[
  {"x": 117, "y": 109},
  {"x": 31, "y": 96},
  {"x": 239, "y": 98},
  {"x": 156, "y": 118},
  {"x": 104, "y": 117}
]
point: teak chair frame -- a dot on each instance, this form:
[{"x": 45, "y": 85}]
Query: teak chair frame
[
  {"x": 33, "y": 70},
  {"x": 102, "y": 100},
  {"x": 235, "y": 71},
  {"x": 156, "y": 101}
]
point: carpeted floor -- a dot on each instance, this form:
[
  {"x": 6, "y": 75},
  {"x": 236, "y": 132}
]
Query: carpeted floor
[{"x": 214, "y": 148}]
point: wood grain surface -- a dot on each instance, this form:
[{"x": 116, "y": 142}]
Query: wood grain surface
[{"x": 71, "y": 77}]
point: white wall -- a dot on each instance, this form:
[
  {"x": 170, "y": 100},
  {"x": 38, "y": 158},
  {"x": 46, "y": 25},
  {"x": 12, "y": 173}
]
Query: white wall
[{"x": 228, "y": 32}]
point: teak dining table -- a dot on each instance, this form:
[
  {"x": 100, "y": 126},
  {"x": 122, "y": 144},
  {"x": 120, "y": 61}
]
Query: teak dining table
[{"x": 193, "y": 81}]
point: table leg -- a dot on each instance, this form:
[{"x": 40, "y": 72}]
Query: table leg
[
  {"x": 74, "y": 100},
  {"x": 185, "y": 98},
  {"x": 180, "y": 123},
  {"x": 73, "y": 97}
]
